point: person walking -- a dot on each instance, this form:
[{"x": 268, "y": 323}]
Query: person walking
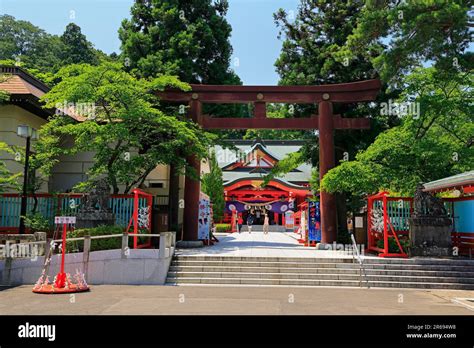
[
  {"x": 240, "y": 222},
  {"x": 250, "y": 220},
  {"x": 265, "y": 224}
]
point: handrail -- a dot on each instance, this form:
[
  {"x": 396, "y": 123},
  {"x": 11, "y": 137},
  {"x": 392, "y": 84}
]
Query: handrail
[
  {"x": 361, "y": 262},
  {"x": 93, "y": 237},
  {"x": 108, "y": 236}
]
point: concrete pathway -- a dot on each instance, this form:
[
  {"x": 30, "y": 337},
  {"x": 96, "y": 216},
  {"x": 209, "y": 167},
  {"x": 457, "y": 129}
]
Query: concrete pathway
[
  {"x": 172, "y": 300},
  {"x": 258, "y": 244}
]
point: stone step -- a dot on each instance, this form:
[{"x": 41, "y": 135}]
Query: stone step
[
  {"x": 328, "y": 276},
  {"x": 327, "y": 264},
  {"x": 347, "y": 258},
  {"x": 313, "y": 282},
  {"x": 317, "y": 270}
]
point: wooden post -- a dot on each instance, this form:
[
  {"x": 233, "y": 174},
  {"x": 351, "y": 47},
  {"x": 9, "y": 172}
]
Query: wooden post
[
  {"x": 192, "y": 187},
  {"x": 85, "y": 256},
  {"x": 326, "y": 162}
]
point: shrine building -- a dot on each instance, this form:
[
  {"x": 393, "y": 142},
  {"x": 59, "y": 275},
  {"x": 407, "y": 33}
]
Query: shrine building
[{"x": 243, "y": 174}]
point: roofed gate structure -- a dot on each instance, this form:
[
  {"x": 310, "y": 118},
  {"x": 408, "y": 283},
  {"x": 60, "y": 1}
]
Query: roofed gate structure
[
  {"x": 324, "y": 95},
  {"x": 243, "y": 180}
]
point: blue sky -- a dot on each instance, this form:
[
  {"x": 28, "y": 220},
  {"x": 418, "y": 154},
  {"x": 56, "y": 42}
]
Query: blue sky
[{"x": 254, "y": 35}]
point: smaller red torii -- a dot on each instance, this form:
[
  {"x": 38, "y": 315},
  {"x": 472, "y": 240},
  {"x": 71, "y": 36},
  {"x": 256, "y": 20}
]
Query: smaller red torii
[{"x": 325, "y": 121}]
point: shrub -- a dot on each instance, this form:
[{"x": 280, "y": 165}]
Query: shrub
[
  {"x": 393, "y": 246},
  {"x": 37, "y": 223},
  {"x": 223, "y": 227}
]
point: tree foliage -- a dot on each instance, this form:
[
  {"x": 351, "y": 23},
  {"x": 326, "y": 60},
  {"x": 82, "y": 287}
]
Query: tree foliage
[
  {"x": 407, "y": 34},
  {"x": 76, "y": 47},
  {"x": 435, "y": 144},
  {"x": 310, "y": 56},
  {"x": 7, "y": 179},
  {"x": 43, "y": 54},
  {"x": 213, "y": 186},
  {"x": 189, "y": 39},
  {"x": 126, "y": 130}
]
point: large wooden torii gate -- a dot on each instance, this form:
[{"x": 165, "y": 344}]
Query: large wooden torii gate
[{"x": 325, "y": 121}]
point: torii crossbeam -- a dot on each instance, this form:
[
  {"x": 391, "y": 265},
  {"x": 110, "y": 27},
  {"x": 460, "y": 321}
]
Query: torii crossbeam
[{"x": 324, "y": 95}]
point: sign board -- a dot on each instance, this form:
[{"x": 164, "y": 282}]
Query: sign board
[
  {"x": 359, "y": 222},
  {"x": 303, "y": 225},
  {"x": 204, "y": 223},
  {"x": 289, "y": 220},
  {"x": 314, "y": 222},
  {"x": 64, "y": 220}
]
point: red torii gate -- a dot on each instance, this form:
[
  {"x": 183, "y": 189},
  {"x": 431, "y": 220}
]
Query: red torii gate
[{"x": 325, "y": 121}]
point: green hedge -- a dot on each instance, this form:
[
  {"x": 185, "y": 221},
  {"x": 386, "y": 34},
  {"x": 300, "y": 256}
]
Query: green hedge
[
  {"x": 100, "y": 244},
  {"x": 223, "y": 227}
]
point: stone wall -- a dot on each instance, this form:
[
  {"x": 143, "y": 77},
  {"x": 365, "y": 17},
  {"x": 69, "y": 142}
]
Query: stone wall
[{"x": 139, "y": 267}]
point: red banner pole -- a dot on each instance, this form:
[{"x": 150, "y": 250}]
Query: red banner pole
[
  {"x": 135, "y": 219},
  {"x": 61, "y": 277},
  {"x": 385, "y": 227}
]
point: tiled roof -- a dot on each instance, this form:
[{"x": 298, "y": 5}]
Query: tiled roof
[
  {"x": 462, "y": 179},
  {"x": 277, "y": 149},
  {"x": 14, "y": 84},
  {"x": 19, "y": 84}
]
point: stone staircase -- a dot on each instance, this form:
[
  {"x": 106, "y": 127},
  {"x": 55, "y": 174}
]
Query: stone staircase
[{"x": 338, "y": 272}]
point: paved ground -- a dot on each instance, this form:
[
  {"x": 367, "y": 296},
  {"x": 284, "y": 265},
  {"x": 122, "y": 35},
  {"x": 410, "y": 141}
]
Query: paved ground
[
  {"x": 169, "y": 300},
  {"x": 273, "y": 244}
]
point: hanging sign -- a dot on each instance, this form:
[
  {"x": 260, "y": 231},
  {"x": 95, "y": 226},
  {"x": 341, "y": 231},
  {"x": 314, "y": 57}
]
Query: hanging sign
[
  {"x": 314, "y": 222},
  {"x": 204, "y": 219}
]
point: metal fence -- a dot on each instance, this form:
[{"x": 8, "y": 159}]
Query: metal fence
[{"x": 62, "y": 204}]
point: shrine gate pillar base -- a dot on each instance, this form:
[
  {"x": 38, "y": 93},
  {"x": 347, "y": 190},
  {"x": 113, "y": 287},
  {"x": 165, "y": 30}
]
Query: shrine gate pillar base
[{"x": 326, "y": 162}]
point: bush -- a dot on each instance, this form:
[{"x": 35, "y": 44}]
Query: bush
[
  {"x": 223, "y": 227},
  {"x": 393, "y": 246},
  {"x": 37, "y": 223},
  {"x": 97, "y": 244}
]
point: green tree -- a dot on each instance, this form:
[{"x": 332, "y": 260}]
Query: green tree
[
  {"x": 436, "y": 143},
  {"x": 311, "y": 56},
  {"x": 125, "y": 129},
  {"x": 76, "y": 47},
  {"x": 28, "y": 44},
  {"x": 406, "y": 34},
  {"x": 43, "y": 54},
  {"x": 189, "y": 39},
  {"x": 186, "y": 38},
  {"x": 213, "y": 186},
  {"x": 7, "y": 179}
]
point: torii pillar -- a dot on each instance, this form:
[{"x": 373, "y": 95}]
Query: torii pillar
[
  {"x": 326, "y": 162},
  {"x": 192, "y": 186}
]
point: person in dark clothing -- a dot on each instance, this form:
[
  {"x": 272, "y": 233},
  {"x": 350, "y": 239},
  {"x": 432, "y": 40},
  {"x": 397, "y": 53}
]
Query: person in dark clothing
[{"x": 250, "y": 220}]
